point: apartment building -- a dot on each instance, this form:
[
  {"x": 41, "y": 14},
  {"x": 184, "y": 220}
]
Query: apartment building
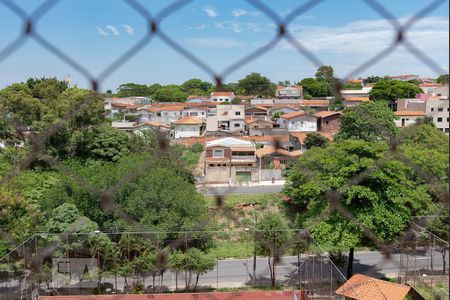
[
  {"x": 289, "y": 92},
  {"x": 226, "y": 118},
  {"x": 438, "y": 109}
]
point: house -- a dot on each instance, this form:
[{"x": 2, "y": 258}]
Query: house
[
  {"x": 315, "y": 104},
  {"x": 222, "y": 96},
  {"x": 361, "y": 287},
  {"x": 298, "y": 121},
  {"x": 196, "y": 99},
  {"x": 328, "y": 120},
  {"x": 278, "y": 138},
  {"x": 228, "y": 119},
  {"x": 260, "y": 112},
  {"x": 438, "y": 109},
  {"x": 256, "y": 126},
  {"x": 195, "y": 111},
  {"x": 406, "y": 118},
  {"x": 188, "y": 127},
  {"x": 124, "y": 126},
  {"x": 290, "y": 92},
  {"x": 404, "y": 77},
  {"x": 364, "y": 92},
  {"x": 270, "y": 157},
  {"x": 230, "y": 160},
  {"x": 127, "y": 100},
  {"x": 350, "y": 101},
  {"x": 166, "y": 113},
  {"x": 138, "y": 129},
  {"x": 126, "y": 111}
]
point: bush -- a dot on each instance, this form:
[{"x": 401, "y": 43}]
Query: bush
[{"x": 197, "y": 148}]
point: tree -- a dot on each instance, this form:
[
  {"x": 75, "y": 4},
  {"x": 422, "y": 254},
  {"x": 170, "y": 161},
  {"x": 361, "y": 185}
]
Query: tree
[
  {"x": 315, "y": 140},
  {"x": 177, "y": 263},
  {"x": 371, "y": 79},
  {"x": 46, "y": 88},
  {"x": 133, "y": 89},
  {"x": 198, "y": 263},
  {"x": 442, "y": 79},
  {"x": 382, "y": 202},
  {"x": 108, "y": 143},
  {"x": 255, "y": 84},
  {"x": 271, "y": 239},
  {"x": 391, "y": 90},
  {"x": 325, "y": 73},
  {"x": 352, "y": 86},
  {"x": 169, "y": 93},
  {"x": 369, "y": 121},
  {"x": 196, "y": 84},
  {"x": 315, "y": 88}
]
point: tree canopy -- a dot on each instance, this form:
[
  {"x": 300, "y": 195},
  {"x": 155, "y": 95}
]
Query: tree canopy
[
  {"x": 257, "y": 85},
  {"x": 391, "y": 90},
  {"x": 370, "y": 121},
  {"x": 442, "y": 79}
]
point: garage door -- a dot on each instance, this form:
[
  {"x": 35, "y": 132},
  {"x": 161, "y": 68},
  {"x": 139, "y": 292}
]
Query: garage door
[{"x": 243, "y": 176}]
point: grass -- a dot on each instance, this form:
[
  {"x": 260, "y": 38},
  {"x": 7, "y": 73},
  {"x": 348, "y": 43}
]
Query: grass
[
  {"x": 263, "y": 199},
  {"x": 234, "y": 249}
]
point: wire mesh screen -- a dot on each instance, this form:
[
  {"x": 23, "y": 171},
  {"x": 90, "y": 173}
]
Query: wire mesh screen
[{"x": 76, "y": 262}]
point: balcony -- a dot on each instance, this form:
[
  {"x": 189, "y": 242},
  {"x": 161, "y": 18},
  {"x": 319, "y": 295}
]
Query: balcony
[{"x": 244, "y": 158}]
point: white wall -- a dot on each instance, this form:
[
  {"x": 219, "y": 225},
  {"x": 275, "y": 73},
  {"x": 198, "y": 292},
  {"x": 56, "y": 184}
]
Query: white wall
[
  {"x": 182, "y": 131},
  {"x": 303, "y": 123}
]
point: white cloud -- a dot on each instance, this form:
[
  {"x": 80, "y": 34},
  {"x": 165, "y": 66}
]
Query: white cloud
[
  {"x": 129, "y": 29},
  {"x": 215, "y": 42},
  {"x": 211, "y": 11},
  {"x": 113, "y": 29},
  {"x": 100, "y": 31},
  {"x": 238, "y": 27},
  {"x": 199, "y": 27},
  {"x": 242, "y": 12},
  {"x": 351, "y": 44}
]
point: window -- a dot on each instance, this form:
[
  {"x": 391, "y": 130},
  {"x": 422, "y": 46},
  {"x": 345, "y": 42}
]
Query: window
[
  {"x": 237, "y": 125},
  {"x": 439, "y": 119},
  {"x": 218, "y": 153},
  {"x": 432, "y": 109},
  {"x": 440, "y": 109},
  {"x": 237, "y": 113},
  {"x": 326, "y": 122},
  {"x": 446, "y": 130}
]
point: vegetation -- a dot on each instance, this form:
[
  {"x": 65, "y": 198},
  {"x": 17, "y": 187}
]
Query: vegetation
[
  {"x": 391, "y": 90},
  {"x": 442, "y": 79},
  {"x": 315, "y": 140}
]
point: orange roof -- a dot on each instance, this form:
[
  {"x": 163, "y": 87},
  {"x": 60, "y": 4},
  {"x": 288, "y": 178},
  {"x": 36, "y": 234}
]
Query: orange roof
[
  {"x": 429, "y": 84},
  {"x": 254, "y": 120},
  {"x": 293, "y": 114},
  {"x": 410, "y": 113},
  {"x": 368, "y": 288},
  {"x": 189, "y": 121},
  {"x": 355, "y": 80},
  {"x": 314, "y": 102},
  {"x": 125, "y": 105},
  {"x": 215, "y": 94},
  {"x": 267, "y": 138},
  {"x": 267, "y": 150},
  {"x": 325, "y": 114},
  {"x": 406, "y": 75},
  {"x": 282, "y": 87},
  {"x": 356, "y": 99},
  {"x": 168, "y": 108}
]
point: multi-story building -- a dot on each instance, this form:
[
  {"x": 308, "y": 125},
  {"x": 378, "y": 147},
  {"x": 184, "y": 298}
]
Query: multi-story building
[
  {"x": 404, "y": 77},
  {"x": 188, "y": 127},
  {"x": 222, "y": 96},
  {"x": 289, "y": 92},
  {"x": 438, "y": 109},
  {"x": 226, "y": 118}
]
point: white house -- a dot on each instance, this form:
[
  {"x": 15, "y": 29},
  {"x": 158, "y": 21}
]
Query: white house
[
  {"x": 222, "y": 96},
  {"x": 228, "y": 118},
  {"x": 406, "y": 118},
  {"x": 188, "y": 127},
  {"x": 299, "y": 121}
]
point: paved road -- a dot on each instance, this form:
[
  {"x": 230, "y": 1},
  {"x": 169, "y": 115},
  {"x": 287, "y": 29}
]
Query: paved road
[
  {"x": 236, "y": 272},
  {"x": 242, "y": 189}
]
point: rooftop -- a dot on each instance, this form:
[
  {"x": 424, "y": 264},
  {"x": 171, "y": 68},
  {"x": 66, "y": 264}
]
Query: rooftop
[
  {"x": 189, "y": 121},
  {"x": 410, "y": 113},
  {"x": 230, "y": 142}
]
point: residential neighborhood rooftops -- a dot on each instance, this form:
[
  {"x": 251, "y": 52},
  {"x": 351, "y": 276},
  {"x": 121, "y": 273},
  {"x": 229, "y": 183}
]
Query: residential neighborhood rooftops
[
  {"x": 152, "y": 123},
  {"x": 314, "y": 102},
  {"x": 218, "y": 94},
  {"x": 230, "y": 142},
  {"x": 189, "y": 121},
  {"x": 409, "y": 113},
  {"x": 356, "y": 99},
  {"x": 325, "y": 114},
  {"x": 293, "y": 114},
  {"x": 365, "y": 287},
  {"x": 268, "y": 150}
]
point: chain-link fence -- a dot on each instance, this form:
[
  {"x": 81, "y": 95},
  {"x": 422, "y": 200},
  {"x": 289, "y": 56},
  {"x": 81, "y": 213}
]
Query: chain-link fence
[{"x": 29, "y": 269}]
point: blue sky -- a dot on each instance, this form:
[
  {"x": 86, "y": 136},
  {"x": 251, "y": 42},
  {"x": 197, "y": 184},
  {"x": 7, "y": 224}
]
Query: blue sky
[{"x": 340, "y": 33}]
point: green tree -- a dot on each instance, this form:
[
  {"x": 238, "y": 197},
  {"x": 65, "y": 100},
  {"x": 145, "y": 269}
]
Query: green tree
[
  {"x": 315, "y": 88},
  {"x": 371, "y": 79},
  {"x": 442, "y": 79},
  {"x": 325, "y": 73},
  {"x": 271, "y": 239},
  {"x": 177, "y": 263},
  {"x": 196, "y": 84},
  {"x": 197, "y": 263},
  {"x": 391, "y": 90},
  {"x": 352, "y": 86},
  {"x": 370, "y": 121},
  {"x": 133, "y": 89},
  {"x": 256, "y": 84},
  {"x": 382, "y": 202},
  {"x": 315, "y": 140},
  {"x": 169, "y": 93}
]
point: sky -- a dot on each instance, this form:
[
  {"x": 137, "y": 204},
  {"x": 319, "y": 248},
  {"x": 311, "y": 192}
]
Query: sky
[{"x": 343, "y": 34}]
